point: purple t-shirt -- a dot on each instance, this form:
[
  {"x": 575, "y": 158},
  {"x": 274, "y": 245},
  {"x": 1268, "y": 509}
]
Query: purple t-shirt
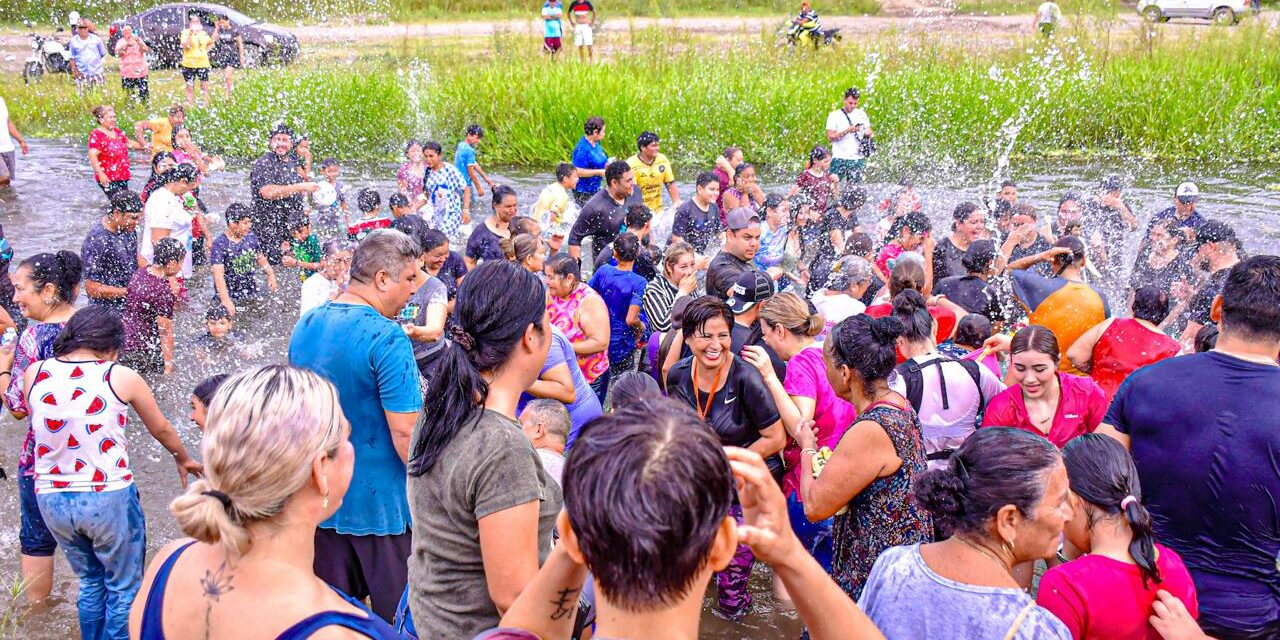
[
  {"x": 832, "y": 415},
  {"x": 240, "y": 264},
  {"x": 148, "y": 298},
  {"x": 585, "y": 406}
]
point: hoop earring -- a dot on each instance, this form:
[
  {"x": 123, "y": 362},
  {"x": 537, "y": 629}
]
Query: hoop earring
[{"x": 1008, "y": 544}]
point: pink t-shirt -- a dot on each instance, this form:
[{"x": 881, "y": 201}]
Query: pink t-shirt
[
  {"x": 133, "y": 61},
  {"x": 1080, "y": 410},
  {"x": 1099, "y": 598},
  {"x": 832, "y": 415}
]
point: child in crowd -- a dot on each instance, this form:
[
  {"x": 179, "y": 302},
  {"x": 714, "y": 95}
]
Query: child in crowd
[
  {"x": 331, "y": 279},
  {"x": 202, "y": 396},
  {"x": 235, "y": 257},
  {"x": 369, "y": 203},
  {"x": 302, "y": 250},
  {"x": 464, "y": 159},
  {"x": 332, "y": 219},
  {"x": 220, "y": 340},
  {"x": 555, "y": 209},
  {"x": 404, "y": 217}
]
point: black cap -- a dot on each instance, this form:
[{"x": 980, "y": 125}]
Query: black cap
[
  {"x": 1216, "y": 231},
  {"x": 749, "y": 288},
  {"x": 279, "y": 129},
  {"x": 127, "y": 201}
]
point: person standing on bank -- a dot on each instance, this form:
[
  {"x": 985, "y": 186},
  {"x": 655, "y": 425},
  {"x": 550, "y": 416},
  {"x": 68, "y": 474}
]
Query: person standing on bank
[
  {"x": 278, "y": 192},
  {"x": 227, "y": 52},
  {"x": 110, "y": 252},
  {"x": 849, "y": 131},
  {"x": 363, "y": 548},
  {"x": 8, "y": 135},
  {"x": 195, "y": 59},
  {"x": 132, "y": 52}
]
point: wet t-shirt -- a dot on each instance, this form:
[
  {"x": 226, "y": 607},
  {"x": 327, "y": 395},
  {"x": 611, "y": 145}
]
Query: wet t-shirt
[
  {"x": 271, "y": 169},
  {"x": 240, "y": 261},
  {"x": 306, "y": 250},
  {"x": 972, "y": 293},
  {"x": 484, "y": 244},
  {"x": 695, "y": 226},
  {"x": 740, "y": 410},
  {"x": 601, "y": 219},
  {"x": 948, "y": 260},
  {"x": 431, "y": 292},
  {"x": 110, "y": 258},
  {"x": 1198, "y": 310},
  {"x": 149, "y": 297},
  {"x": 724, "y": 271}
]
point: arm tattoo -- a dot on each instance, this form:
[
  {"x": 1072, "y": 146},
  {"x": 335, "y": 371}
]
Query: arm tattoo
[{"x": 566, "y": 604}]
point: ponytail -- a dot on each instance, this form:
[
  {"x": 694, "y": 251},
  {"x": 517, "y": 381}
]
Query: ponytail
[{"x": 1143, "y": 545}]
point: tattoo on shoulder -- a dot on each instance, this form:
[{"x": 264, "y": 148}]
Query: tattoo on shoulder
[
  {"x": 566, "y": 604},
  {"x": 215, "y": 584}
]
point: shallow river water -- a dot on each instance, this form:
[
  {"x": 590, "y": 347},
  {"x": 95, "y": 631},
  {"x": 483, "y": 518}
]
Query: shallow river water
[{"x": 54, "y": 201}]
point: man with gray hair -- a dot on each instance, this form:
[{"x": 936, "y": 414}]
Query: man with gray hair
[
  {"x": 363, "y": 548},
  {"x": 848, "y": 282},
  {"x": 546, "y": 423}
]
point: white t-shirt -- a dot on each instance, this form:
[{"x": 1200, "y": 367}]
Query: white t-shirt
[
  {"x": 316, "y": 291},
  {"x": 1048, "y": 13},
  {"x": 948, "y": 428},
  {"x": 6, "y": 143},
  {"x": 847, "y": 148},
  {"x": 164, "y": 210},
  {"x": 835, "y": 308}
]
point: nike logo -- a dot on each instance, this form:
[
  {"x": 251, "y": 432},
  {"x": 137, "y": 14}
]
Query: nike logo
[{"x": 729, "y": 400}]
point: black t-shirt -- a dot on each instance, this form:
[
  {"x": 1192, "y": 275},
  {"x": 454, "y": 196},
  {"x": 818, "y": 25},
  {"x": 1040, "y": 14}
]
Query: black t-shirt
[
  {"x": 452, "y": 271},
  {"x": 1109, "y": 226},
  {"x": 972, "y": 294},
  {"x": 1145, "y": 275},
  {"x": 271, "y": 169},
  {"x": 645, "y": 262},
  {"x": 1202, "y": 302},
  {"x": 1040, "y": 245},
  {"x": 601, "y": 219},
  {"x": 695, "y": 226},
  {"x": 483, "y": 244},
  {"x": 724, "y": 271},
  {"x": 740, "y": 410},
  {"x": 833, "y": 221},
  {"x": 412, "y": 225},
  {"x": 948, "y": 260},
  {"x": 744, "y": 335}
]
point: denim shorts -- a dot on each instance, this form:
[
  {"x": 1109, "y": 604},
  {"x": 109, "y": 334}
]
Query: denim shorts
[
  {"x": 814, "y": 536},
  {"x": 34, "y": 537}
]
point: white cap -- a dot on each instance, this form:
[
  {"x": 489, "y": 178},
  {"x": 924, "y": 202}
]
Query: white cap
[{"x": 1188, "y": 190}]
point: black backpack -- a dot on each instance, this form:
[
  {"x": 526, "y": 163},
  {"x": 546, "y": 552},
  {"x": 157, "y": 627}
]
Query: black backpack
[{"x": 912, "y": 373}]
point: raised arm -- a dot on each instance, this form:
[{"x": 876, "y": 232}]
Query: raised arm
[{"x": 1080, "y": 353}]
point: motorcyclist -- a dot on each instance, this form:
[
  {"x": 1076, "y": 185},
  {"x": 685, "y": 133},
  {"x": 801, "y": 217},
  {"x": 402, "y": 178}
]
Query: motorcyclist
[{"x": 807, "y": 24}]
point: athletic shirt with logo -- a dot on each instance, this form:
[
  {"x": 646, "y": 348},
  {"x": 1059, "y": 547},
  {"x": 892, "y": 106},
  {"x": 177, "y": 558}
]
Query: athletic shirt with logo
[{"x": 79, "y": 426}]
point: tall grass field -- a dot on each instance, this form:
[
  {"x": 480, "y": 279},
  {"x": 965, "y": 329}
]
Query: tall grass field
[{"x": 1213, "y": 97}]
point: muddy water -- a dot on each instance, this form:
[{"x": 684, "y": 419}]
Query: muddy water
[{"x": 54, "y": 201}]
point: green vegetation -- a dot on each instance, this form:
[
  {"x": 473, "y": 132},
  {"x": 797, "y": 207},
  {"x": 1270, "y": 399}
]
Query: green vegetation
[{"x": 1210, "y": 97}]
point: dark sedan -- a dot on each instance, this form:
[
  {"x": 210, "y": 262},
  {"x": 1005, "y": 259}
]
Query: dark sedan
[{"x": 161, "y": 26}]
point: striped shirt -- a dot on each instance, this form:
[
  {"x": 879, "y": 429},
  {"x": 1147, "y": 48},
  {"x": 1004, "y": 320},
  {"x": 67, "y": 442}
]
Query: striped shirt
[{"x": 659, "y": 297}]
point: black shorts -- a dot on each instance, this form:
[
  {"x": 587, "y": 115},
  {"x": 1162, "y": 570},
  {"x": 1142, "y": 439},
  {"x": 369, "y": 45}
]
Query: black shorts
[
  {"x": 191, "y": 75},
  {"x": 225, "y": 59},
  {"x": 373, "y": 567}
]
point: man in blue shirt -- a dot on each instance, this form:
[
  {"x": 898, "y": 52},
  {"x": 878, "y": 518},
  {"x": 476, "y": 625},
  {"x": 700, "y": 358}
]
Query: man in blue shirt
[
  {"x": 363, "y": 549},
  {"x": 1204, "y": 430},
  {"x": 87, "y": 55},
  {"x": 590, "y": 160}
]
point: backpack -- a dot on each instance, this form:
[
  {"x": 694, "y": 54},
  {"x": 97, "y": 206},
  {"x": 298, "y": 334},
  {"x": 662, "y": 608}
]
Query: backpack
[{"x": 912, "y": 373}]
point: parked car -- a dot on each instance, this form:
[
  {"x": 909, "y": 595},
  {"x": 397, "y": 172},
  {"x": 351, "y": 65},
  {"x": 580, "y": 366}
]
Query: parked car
[
  {"x": 161, "y": 27},
  {"x": 1222, "y": 12}
]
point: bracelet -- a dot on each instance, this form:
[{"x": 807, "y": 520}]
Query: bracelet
[{"x": 809, "y": 450}]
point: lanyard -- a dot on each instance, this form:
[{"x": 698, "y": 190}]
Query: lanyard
[{"x": 703, "y": 411}]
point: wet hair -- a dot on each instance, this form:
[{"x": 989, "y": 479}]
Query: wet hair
[
  {"x": 859, "y": 244},
  {"x": 646, "y": 491},
  {"x": 62, "y": 269},
  {"x": 848, "y": 271},
  {"x": 497, "y": 302},
  {"x": 1026, "y": 209},
  {"x": 238, "y": 211},
  {"x": 615, "y": 171},
  {"x": 552, "y": 414},
  {"x": 298, "y": 221},
  {"x": 398, "y": 200},
  {"x": 853, "y": 197},
  {"x": 334, "y": 246},
  {"x": 788, "y": 311},
  {"x": 910, "y": 308},
  {"x": 674, "y": 252},
  {"x": 1069, "y": 196},
  {"x": 368, "y": 200},
  {"x": 729, "y": 152},
  {"x": 1102, "y": 473},
  {"x": 906, "y": 275},
  {"x": 852, "y": 92},
  {"x": 593, "y": 125},
  {"x": 1206, "y": 338},
  {"x": 773, "y": 201},
  {"x": 385, "y": 250},
  {"x": 265, "y": 427},
  {"x": 181, "y": 172},
  {"x": 1036, "y": 339},
  {"x": 100, "y": 111},
  {"x": 1008, "y": 183},
  {"x": 474, "y": 130},
  {"x": 408, "y": 146},
  {"x": 866, "y": 345},
  {"x": 329, "y": 162},
  {"x": 167, "y": 250},
  {"x": 995, "y": 466},
  {"x": 208, "y": 387},
  {"x": 216, "y": 312},
  {"x": 93, "y": 328},
  {"x": 1062, "y": 261},
  {"x": 979, "y": 256},
  {"x": 702, "y": 310},
  {"x": 564, "y": 265},
  {"x": 523, "y": 225},
  {"x": 502, "y": 192},
  {"x": 1251, "y": 299},
  {"x": 176, "y": 108},
  {"x": 706, "y": 178},
  {"x": 564, "y": 170},
  {"x": 817, "y": 154},
  {"x": 741, "y": 169},
  {"x": 638, "y": 215},
  {"x": 629, "y": 387},
  {"x": 432, "y": 238},
  {"x": 1150, "y": 304},
  {"x": 432, "y": 145},
  {"x": 520, "y": 247},
  {"x": 626, "y": 247},
  {"x": 645, "y": 139},
  {"x": 973, "y": 330},
  {"x": 962, "y": 212},
  {"x": 915, "y": 221}
]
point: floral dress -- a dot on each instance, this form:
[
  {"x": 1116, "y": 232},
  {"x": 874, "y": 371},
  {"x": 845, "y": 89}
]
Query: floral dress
[
  {"x": 884, "y": 514},
  {"x": 566, "y": 315}
]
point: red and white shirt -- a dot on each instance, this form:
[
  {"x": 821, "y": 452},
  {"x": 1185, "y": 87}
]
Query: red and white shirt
[{"x": 79, "y": 426}]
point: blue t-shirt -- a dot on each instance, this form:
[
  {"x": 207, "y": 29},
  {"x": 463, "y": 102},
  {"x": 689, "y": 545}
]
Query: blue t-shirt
[
  {"x": 552, "y": 26},
  {"x": 88, "y": 54},
  {"x": 240, "y": 262},
  {"x": 589, "y": 156},
  {"x": 585, "y": 406},
  {"x": 369, "y": 360},
  {"x": 620, "y": 289},
  {"x": 463, "y": 158},
  {"x": 1204, "y": 431}
]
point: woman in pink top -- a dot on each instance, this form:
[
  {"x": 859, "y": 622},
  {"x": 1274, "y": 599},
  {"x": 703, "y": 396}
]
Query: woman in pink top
[
  {"x": 132, "y": 52},
  {"x": 1109, "y": 592},
  {"x": 1041, "y": 399},
  {"x": 581, "y": 314},
  {"x": 806, "y": 396}
]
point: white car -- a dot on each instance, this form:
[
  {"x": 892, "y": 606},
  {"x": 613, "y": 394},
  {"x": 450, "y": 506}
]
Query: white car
[{"x": 1220, "y": 11}]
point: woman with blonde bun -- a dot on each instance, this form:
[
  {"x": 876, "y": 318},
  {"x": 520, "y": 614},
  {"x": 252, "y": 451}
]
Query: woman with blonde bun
[{"x": 277, "y": 463}]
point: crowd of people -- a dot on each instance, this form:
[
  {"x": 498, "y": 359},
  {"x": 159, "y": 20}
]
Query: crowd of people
[{"x": 553, "y": 419}]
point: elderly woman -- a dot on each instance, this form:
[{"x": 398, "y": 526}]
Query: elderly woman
[{"x": 581, "y": 314}]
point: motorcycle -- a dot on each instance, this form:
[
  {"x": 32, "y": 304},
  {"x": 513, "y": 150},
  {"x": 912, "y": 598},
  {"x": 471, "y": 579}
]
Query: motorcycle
[
  {"x": 48, "y": 55},
  {"x": 806, "y": 33}
]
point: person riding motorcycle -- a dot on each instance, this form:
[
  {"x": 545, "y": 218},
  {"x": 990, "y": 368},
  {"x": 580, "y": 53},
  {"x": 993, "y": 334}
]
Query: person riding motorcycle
[{"x": 806, "y": 25}]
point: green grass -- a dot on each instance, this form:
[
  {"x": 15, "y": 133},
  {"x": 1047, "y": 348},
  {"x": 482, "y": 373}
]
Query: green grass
[{"x": 1208, "y": 97}]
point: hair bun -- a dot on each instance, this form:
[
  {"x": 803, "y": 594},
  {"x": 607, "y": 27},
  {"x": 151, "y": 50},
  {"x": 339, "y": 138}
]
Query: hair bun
[
  {"x": 941, "y": 493},
  {"x": 886, "y": 330}
]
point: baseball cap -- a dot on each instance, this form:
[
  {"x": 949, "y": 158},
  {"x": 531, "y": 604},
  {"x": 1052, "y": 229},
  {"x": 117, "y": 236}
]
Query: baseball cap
[
  {"x": 741, "y": 218},
  {"x": 1187, "y": 192},
  {"x": 1216, "y": 231},
  {"x": 750, "y": 287}
]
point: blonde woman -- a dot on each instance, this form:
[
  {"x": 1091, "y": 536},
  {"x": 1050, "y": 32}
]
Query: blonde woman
[{"x": 277, "y": 463}]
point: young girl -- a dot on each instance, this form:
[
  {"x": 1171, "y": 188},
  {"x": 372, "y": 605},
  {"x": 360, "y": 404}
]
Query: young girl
[
  {"x": 1109, "y": 592},
  {"x": 411, "y": 174},
  {"x": 817, "y": 182}
]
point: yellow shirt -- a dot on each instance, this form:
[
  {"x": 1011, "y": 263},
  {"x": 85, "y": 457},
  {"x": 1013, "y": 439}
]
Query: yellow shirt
[
  {"x": 651, "y": 178},
  {"x": 195, "y": 52},
  {"x": 161, "y": 135},
  {"x": 552, "y": 208}
]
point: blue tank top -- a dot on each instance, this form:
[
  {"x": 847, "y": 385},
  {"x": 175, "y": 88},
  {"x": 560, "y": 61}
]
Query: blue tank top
[{"x": 372, "y": 626}]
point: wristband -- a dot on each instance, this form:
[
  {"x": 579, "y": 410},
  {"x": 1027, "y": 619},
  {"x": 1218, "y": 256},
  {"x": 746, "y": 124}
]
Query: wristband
[{"x": 809, "y": 450}]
